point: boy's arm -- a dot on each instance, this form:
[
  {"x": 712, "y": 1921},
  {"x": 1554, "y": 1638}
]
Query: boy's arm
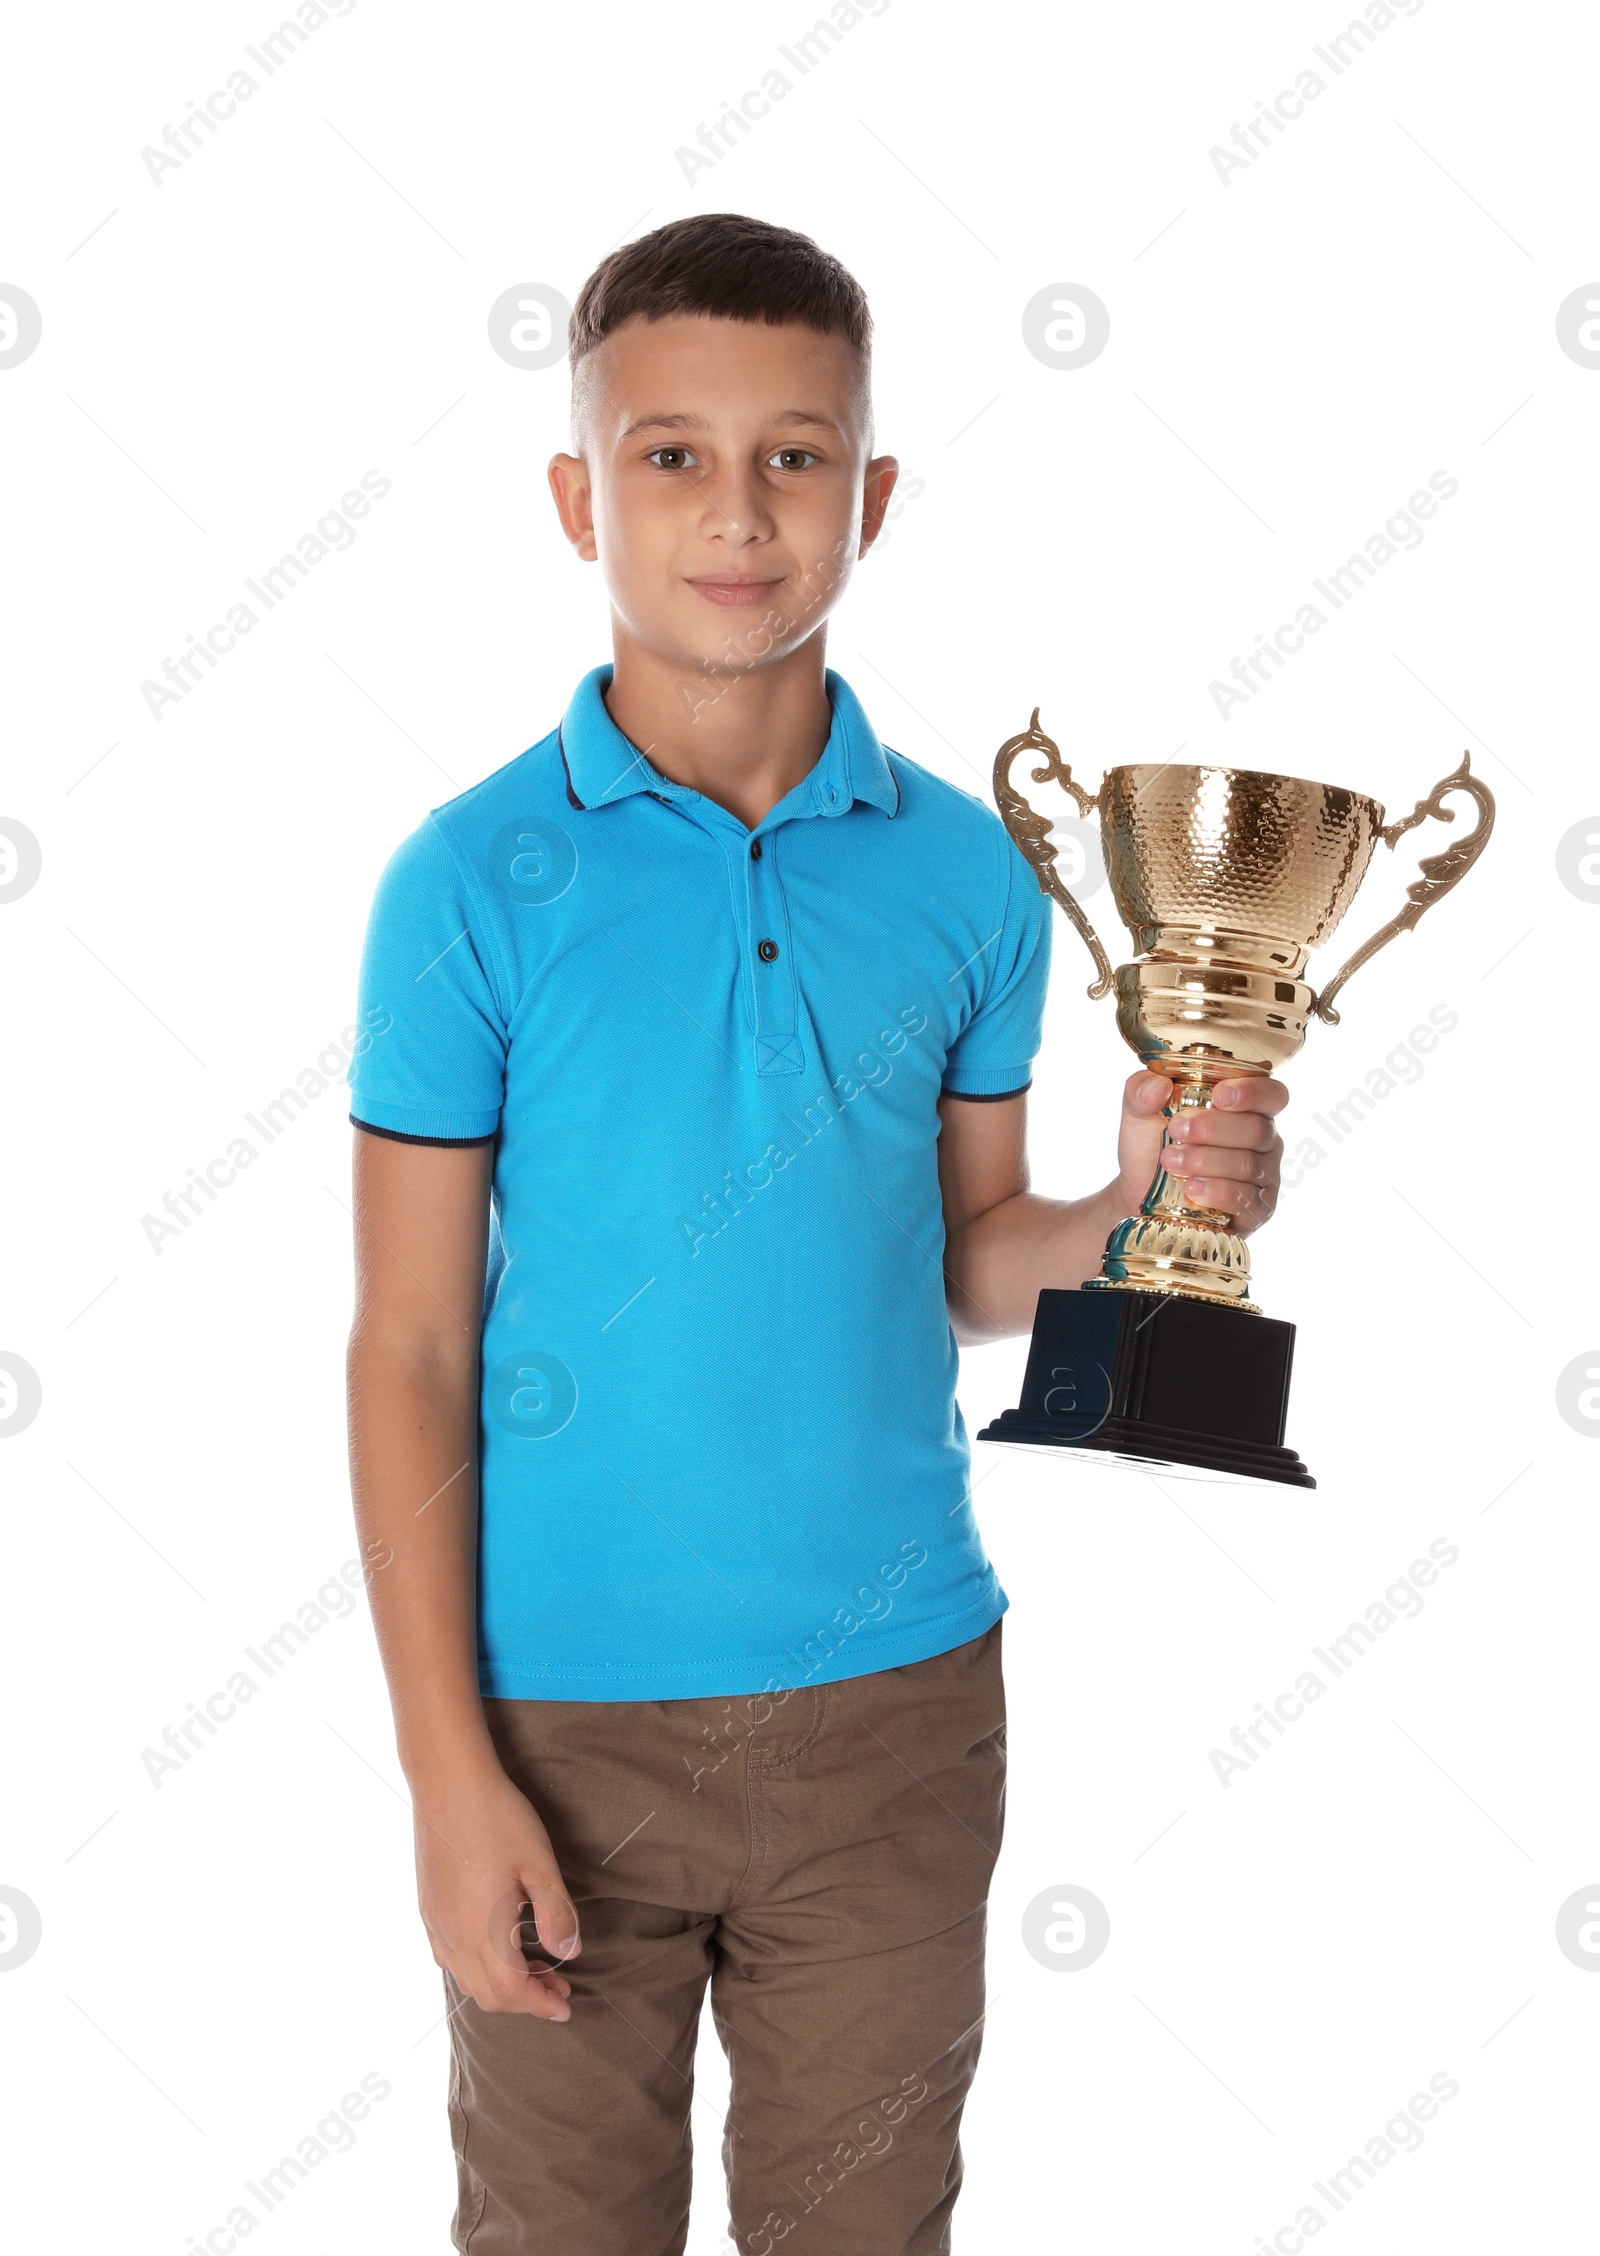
[
  {"x": 421, "y": 1236},
  {"x": 1003, "y": 1244}
]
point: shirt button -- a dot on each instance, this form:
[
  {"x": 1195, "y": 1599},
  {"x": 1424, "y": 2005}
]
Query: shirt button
[
  {"x": 832, "y": 794},
  {"x": 755, "y": 849},
  {"x": 768, "y": 951}
]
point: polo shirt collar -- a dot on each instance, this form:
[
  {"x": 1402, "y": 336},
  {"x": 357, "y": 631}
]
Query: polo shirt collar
[{"x": 602, "y": 766}]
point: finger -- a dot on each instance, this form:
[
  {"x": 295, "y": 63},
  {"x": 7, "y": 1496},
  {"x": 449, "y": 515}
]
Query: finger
[
  {"x": 1250, "y": 1093},
  {"x": 497, "y": 1988},
  {"x": 554, "y": 1918},
  {"x": 1247, "y": 1205},
  {"x": 1220, "y": 1165},
  {"x": 1242, "y": 1131},
  {"x": 537, "y": 1989},
  {"x": 533, "y": 1999},
  {"x": 1146, "y": 1093}
]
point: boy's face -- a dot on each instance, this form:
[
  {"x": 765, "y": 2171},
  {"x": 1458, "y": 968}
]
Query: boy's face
[{"x": 724, "y": 484}]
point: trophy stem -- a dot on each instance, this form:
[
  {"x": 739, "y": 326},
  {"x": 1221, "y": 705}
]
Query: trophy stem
[{"x": 1170, "y": 1246}]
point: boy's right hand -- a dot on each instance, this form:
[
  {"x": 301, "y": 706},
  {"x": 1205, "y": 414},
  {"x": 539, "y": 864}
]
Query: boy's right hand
[{"x": 482, "y": 1853}]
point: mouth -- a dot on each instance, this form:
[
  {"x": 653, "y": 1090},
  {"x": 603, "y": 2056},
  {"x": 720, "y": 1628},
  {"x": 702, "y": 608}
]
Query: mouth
[{"x": 735, "y": 588}]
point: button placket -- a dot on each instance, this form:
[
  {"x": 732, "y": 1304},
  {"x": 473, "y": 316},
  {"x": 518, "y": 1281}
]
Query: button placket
[{"x": 772, "y": 979}]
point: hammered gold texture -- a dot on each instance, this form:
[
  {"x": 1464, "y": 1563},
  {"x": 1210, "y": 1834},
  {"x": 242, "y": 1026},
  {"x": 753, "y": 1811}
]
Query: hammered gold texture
[
  {"x": 1268, "y": 857},
  {"x": 1226, "y": 878}
]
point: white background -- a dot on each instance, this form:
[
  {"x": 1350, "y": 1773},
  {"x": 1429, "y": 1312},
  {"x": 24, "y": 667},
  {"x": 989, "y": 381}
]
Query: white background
[{"x": 1293, "y": 351}]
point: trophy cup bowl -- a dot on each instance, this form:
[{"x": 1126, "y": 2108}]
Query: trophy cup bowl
[{"x": 1226, "y": 880}]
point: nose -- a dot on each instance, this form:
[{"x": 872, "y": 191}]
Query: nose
[{"x": 736, "y": 510}]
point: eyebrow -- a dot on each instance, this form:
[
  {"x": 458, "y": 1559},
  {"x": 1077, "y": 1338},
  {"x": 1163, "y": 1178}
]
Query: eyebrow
[{"x": 790, "y": 417}]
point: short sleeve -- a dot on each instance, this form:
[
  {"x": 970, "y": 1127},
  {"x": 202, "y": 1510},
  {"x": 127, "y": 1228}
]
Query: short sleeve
[
  {"x": 430, "y": 1047},
  {"x": 993, "y": 1054}
]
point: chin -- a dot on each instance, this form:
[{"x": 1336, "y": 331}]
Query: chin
[{"x": 737, "y": 638}]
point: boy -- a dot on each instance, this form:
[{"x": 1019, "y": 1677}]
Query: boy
[{"x": 697, "y": 1042}]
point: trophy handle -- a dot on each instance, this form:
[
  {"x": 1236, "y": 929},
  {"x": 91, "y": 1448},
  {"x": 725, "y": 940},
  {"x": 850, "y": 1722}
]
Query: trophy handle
[
  {"x": 1440, "y": 872},
  {"x": 1031, "y": 831}
]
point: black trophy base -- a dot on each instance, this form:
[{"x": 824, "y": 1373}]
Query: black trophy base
[{"x": 1158, "y": 1378}]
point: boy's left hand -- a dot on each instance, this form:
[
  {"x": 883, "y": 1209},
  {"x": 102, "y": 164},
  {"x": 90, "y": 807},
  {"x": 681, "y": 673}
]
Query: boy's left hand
[{"x": 1227, "y": 1155}]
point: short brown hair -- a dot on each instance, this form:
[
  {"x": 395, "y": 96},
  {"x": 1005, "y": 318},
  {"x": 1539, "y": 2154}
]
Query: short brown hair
[{"x": 724, "y": 264}]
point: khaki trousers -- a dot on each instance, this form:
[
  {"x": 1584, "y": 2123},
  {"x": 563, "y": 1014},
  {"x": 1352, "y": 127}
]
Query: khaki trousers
[{"x": 822, "y": 1859}]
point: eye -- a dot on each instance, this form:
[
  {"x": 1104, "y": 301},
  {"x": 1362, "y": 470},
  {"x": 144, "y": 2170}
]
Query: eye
[
  {"x": 791, "y": 458},
  {"x": 670, "y": 458}
]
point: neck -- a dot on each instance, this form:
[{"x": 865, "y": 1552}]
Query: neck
[{"x": 743, "y": 739}]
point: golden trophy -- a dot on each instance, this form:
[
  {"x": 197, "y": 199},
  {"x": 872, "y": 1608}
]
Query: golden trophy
[{"x": 1226, "y": 879}]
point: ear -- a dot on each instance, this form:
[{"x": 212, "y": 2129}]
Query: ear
[
  {"x": 569, "y": 483},
  {"x": 882, "y": 473}
]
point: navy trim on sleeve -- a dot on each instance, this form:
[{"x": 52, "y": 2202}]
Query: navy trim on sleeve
[
  {"x": 447, "y": 1143},
  {"x": 993, "y": 1096}
]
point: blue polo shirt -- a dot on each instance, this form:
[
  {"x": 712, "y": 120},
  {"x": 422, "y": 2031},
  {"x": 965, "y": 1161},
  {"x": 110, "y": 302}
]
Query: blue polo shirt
[{"x": 721, "y": 1450}]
